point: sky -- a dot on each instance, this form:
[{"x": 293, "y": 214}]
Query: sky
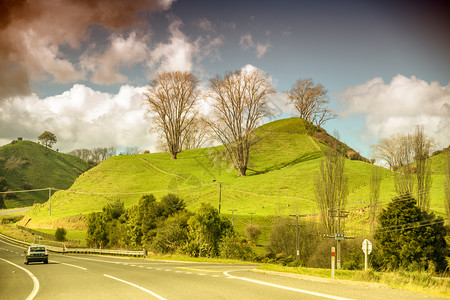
[{"x": 79, "y": 68}]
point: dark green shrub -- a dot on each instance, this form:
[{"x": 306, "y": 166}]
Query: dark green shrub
[
  {"x": 409, "y": 238},
  {"x": 235, "y": 248},
  {"x": 60, "y": 234}
]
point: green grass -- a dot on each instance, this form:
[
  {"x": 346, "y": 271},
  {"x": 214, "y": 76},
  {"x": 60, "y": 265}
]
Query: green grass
[
  {"x": 413, "y": 281},
  {"x": 284, "y": 165},
  {"x": 43, "y": 168}
]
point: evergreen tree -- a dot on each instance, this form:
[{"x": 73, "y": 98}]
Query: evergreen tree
[{"x": 409, "y": 237}]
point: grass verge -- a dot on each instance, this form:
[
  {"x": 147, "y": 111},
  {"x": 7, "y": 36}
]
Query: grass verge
[{"x": 421, "y": 282}]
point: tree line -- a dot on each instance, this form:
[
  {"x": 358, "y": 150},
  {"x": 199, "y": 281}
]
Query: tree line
[
  {"x": 165, "y": 226},
  {"x": 96, "y": 155}
]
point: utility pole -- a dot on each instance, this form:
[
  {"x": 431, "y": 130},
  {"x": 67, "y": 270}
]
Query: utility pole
[
  {"x": 251, "y": 217},
  {"x": 297, "y": 237},
  {"x": 220, "y": 193},
  {"x": 232, "y": 216},
  {"x": 338, "y": 235},
  {"x": 49, "y": 201}
]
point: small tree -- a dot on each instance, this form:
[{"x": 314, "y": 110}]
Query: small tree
[
  {"x": 48, "y": 139},
  {"x": 60, "y": 234},
  {"x": 310, "y": 100},
  {"x": 207, "y": 229},
  {"x": 409, "y": 237}
]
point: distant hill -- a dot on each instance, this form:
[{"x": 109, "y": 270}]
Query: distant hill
[
  {"x": 283, "y": 168},
  {"x": 27, "y": 165}
]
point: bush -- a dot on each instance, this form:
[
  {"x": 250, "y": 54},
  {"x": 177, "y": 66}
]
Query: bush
[
  {"x": 13, "y": 163},
  {"x": 283, "y": 241},
  {"x": 252, "y": 232},
  {"x": 353, "y": 155},
  {"x": 60, "y": 234},
  {"x": 235, "y": 248}
]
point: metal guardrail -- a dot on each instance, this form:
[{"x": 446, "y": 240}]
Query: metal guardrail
[{"x": 78, "y": 250}]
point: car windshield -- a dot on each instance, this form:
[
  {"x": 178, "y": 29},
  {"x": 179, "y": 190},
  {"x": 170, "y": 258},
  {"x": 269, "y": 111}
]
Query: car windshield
[{"x": 37, "y": 249}]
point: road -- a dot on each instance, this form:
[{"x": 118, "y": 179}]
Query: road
[
  {"x": 10, "y": 211},
  {"x": 102, "y": 277}
]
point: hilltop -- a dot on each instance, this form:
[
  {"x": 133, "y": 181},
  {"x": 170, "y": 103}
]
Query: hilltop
[
  {"x": 284, "y": 166},
  {"x": 27, "y": 165}
]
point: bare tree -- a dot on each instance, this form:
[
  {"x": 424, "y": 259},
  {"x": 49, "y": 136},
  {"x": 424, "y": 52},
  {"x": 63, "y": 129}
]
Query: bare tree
[
  {"x": 422, "y": 149},
  {"x": 131, "y": 150},
  {"x": 310, "y": 100},
  {"x": 239, "y": 104},
  {"x": 404, "y": 176},
  {"x": 171, "y": 100},
  {"x": 389, "y": 149},
  {"x": 95, "y": 155},
  {"x": 331, "y": 186},
  {"x": 197, "y": 134},
  {"x": 400, "y": 152},
  {"x": 84, "y": 154}
]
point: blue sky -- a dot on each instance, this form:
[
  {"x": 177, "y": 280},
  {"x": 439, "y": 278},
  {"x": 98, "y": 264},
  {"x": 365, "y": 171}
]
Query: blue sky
[{"x": 79, "y": 69}]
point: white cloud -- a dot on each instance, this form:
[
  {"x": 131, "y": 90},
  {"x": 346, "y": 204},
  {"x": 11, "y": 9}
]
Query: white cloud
[
  {"x": 43, "y": 56},
  {"x": 80, "y": 118},
  {"x": 246, "y": 42},
  {"x": 177, "y": 54},
  {"x": 123, "y": 52},
  {"x": 399, "y": 106}
]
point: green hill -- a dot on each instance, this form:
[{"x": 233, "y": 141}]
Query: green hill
[
  {"x": 284, "y": 165},
  {"x": 26, "y": 165}
]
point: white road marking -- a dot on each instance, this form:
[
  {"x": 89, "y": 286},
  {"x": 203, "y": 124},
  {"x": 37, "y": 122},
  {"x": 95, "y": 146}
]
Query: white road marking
[
  {"x": 137, "y": 286},
  {"x": 35, "y": 280},
  {"x": 82, "y": 268},
  {"x": 58, "y": 262},
  {"x": 285, "y": 287}
]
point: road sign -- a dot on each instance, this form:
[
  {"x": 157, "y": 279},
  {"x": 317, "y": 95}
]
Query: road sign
[
  {"x": 367, "y": 246},
  {"x": 339, "y": 236}
]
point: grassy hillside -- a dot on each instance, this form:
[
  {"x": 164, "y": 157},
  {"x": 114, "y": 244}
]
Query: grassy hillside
[
  {"x": 284, "y": 165},
  {"x": 27, "y": 165}
]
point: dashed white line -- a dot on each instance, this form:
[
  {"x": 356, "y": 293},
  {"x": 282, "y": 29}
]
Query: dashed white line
[
  {"x": 137, "y": 286},
  {"x": 35, "y": 280},
  {"x": 82, "y": 268}
]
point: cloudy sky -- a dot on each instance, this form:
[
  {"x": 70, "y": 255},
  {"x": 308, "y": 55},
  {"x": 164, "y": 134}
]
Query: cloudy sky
[{"x": 79, "y": 68}]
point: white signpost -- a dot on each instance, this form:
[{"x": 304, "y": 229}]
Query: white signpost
[{"x": 367, "y": 248}]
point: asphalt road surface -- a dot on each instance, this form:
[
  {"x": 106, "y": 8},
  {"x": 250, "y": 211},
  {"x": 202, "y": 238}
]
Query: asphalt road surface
[{"x": 107, "y": 277}]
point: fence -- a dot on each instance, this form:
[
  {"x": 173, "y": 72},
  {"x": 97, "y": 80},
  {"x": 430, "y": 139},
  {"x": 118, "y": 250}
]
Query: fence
[{"x": 77, "y": 250}]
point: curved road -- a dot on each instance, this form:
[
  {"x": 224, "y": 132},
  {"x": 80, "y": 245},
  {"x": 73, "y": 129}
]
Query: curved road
[{"x": 101, "y": 277}]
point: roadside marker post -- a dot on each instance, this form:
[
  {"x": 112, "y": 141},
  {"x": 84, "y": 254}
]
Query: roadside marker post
[
  {"x": 333, "y": 256},
  {"x": 367, "y": 248}
]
